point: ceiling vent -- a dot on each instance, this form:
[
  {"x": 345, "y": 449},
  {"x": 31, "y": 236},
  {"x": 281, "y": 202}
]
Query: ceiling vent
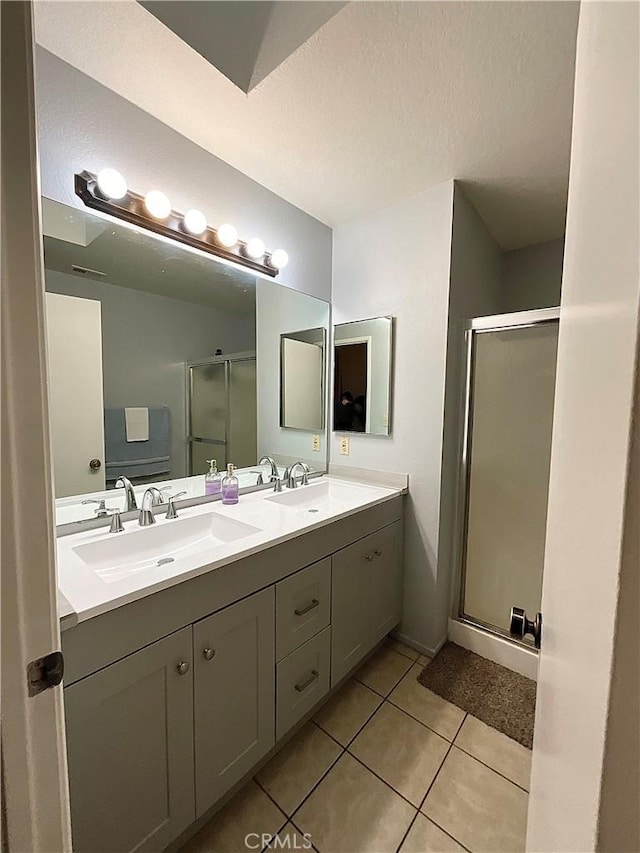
[{"x": 87, "y": 271}]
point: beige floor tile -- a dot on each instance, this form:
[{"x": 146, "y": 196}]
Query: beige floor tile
[
  {"x": 399, "y": 647},
  {"x": 344, "y": 715},
  {"x": 497, "y": 750},
  {"x": 290, "y": 838},
  {"x": 383, "y": 671},
  {"x": 403, "y": 752},
  {"x": 480, "y": 809},
  {"x": 352, "y": 811},
  {"x": 425, "y": 837},
  {"x": 423, "y": 660},
  {"x": 432, "y": 710},
  {"x": 250, "y": 811},
  {"x": 299, "y": 765}
]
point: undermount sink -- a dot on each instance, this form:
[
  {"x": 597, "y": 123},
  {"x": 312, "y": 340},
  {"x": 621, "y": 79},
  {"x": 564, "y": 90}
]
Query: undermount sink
[
  {"x": 320, "y": 497},
  {"x": 119, "y": 555}
]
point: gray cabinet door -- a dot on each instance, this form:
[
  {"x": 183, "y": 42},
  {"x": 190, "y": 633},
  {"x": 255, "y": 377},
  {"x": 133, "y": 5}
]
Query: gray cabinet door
[
  {"x": 366, "y": 586},
  {"x": 234, "y": 683},
  {"x": 130, "y": 750},
  {"x": 385, "y": 581}
]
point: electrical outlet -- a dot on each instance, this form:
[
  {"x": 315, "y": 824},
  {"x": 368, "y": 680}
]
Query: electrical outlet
[
  {"x": 315, "y": 446},
  {"x": 344, "y": 446}
]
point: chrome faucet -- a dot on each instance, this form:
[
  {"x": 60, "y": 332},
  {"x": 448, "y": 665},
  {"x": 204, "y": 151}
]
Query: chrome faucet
[
  {"x": 130, "y": 495},
  {"x": 152, "y": 497},
  {"x": 269, "y": 460},
  {"x": 290, "y": 477}
]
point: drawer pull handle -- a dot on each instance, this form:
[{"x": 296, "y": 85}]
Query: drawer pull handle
[
  {"x": 378, "y": 552},
  {"x": 313, "y": 677},
  {"x": 313, "y": 603},
  {"x": 208, "y": 653},
  {"x": 369, "y": 557},
  {"x": 183, "y": 667}
]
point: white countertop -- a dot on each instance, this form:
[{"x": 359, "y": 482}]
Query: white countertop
[{"x": 89, "y": 595}]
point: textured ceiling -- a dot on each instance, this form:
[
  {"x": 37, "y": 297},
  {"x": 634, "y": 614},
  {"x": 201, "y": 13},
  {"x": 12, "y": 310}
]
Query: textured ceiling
[{"x": 384, "y": 101}]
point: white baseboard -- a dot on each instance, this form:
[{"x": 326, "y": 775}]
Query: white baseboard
[
  {"x": 517, "y": 658},
  {"x": 419, "y": 647}
]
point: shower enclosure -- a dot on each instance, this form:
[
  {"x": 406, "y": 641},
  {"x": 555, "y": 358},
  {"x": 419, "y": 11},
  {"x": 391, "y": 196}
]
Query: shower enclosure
[
  {"x": 510, "y": 384},
  {"x": 222, "y": 412}
]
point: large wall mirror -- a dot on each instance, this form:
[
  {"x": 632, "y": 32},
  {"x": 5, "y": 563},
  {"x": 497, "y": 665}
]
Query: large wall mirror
[
  {"x": 160, "y": 359},
  {"x": 362, "y": 356}
]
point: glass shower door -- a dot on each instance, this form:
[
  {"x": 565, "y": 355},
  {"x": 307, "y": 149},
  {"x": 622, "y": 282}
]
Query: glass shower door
[
  {"x": 508, "y": 452},
  {"x": 208, "y": 405}
]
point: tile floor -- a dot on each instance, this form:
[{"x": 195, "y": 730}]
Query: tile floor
[{"x": 385, "y": 767}]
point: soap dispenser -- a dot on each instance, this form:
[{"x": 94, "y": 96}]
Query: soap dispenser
[
  {"x": 230, "y": 486},
  {"x": 212, "y": 480}
]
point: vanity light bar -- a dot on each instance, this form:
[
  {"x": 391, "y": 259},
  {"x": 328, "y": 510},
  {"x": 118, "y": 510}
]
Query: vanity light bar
[{"x": 108, "y": 193}]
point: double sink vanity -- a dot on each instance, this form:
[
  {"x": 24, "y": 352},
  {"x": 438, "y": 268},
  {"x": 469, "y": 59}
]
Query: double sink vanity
[
  {"x": 198, "y": 644},
  {"x": 198, "y": 636}
]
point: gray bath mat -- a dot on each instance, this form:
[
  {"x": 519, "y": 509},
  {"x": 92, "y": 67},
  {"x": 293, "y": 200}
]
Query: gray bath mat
[{"x": 494, "y": 694}]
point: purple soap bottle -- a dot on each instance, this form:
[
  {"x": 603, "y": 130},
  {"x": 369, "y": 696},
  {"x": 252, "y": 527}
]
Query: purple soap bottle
[
  {"x": 230, "y": 486},
  {"x": 212, "y": 480}
]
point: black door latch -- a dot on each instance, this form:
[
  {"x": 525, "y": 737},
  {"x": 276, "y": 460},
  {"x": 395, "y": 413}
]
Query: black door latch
[{"x": 45, "y": 672}]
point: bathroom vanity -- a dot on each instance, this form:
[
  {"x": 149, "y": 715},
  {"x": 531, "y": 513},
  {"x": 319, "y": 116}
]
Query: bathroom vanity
[{"x": 181, "y": 677}]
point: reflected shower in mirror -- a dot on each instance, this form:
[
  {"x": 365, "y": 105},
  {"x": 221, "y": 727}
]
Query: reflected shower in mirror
[
  {"x": 302, "y": 356},
  {"x": 362, "y": 376},
  {"x": 156, "y": 355}
]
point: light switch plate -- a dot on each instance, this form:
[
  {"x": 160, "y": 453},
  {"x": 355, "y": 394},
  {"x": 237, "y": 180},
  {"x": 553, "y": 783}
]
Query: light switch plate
[
  {"x": 344, "y": 445},
  {"x": 316, "y": 444}
]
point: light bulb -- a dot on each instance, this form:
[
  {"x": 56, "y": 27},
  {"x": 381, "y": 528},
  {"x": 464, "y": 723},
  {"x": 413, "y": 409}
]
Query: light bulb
[
  {"x": 111, "y": 184},
  {"x": 157, "y": 204},
  {"x": 255, "y": 248},
  {"x": 227, "y": 235},
  {"x": 195, "y": 222},
  {"x": 279, "y": 259}
]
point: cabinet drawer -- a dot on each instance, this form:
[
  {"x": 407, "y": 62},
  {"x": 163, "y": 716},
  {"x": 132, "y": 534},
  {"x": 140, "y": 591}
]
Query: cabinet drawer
[
  {"x": 302, "y": 681},
  {"x": 303, "y": 606}
]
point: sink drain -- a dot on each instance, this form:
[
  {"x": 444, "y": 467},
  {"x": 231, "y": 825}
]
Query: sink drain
[
  {"x": 314, "y": 510},
  {"x": 164, "y": 560}
]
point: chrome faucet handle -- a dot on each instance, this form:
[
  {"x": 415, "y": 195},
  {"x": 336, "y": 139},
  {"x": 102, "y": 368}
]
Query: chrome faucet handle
[
  {"x": 260, "y": 478},
  {"x": 171, "y": 509},
  {"x": 116, "y": 525},
  {"x": 277, "y": 484},
  {"x": 102, "y": 509}
]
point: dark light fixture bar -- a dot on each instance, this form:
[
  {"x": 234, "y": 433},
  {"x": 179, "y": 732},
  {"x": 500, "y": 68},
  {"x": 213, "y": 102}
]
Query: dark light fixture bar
[{"x": 133, "y": 208}]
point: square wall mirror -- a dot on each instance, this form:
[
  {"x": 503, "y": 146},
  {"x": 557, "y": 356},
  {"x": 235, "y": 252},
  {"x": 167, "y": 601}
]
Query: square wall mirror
[
  {"x": 302, "y": 368},
  {"x": 162, "y": 358},
  {"x": 362, "y": 354}
]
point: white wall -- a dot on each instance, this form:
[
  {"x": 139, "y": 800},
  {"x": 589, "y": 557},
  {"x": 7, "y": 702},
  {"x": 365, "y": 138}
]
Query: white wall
[
  {"x": 475, "y": 290},
  {"x": 396, "y": 262},
  {"x": 532, "y": 277},
  {"x": 83, "y": 125},
  {"x": 597, "y": 350},
  {"x": 280, "y": 310}
]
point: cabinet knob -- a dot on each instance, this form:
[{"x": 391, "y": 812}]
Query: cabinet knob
[
  {"x": 183, "y": 667},
  {"x": 378, "y": 552},
  {"x": 208, "y": 653},
  {"x": 369, "y": 557}
]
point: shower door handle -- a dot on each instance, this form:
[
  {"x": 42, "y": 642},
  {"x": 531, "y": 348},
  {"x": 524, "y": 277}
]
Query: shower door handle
[{"x": 520, "y": 626}]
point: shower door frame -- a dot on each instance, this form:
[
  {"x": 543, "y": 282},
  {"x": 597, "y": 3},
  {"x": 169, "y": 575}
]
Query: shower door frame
[
  {"x": 476, "y": 326},
  {"x": 227, "y": 360}
]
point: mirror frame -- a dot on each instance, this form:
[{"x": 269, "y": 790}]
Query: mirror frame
[{"x": 392, "y": 342}]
